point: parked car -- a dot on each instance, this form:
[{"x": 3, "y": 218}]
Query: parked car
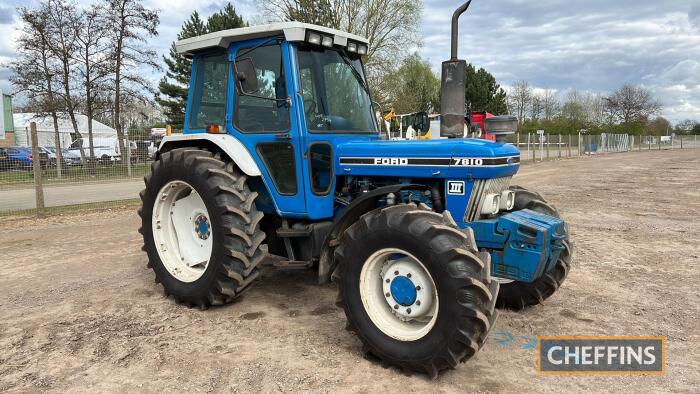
[
  {"x": 51, "y": 153},
  {"x": 71, "y": 158},
  {"x": 103, "y": 154},
  {"x": 5, "y": 163},
  {"x": 145, "y": 150},
  {"x": 20, "y": 157}
]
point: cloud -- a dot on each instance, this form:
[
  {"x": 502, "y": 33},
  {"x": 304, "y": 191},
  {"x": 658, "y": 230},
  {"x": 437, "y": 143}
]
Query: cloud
[
  {"x": 595, "y": 45},
  {"x": 694, "y": 14}
]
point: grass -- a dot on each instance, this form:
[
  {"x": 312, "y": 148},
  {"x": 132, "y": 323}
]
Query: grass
[
  {"x": 75, "y": 174},
  {"x": 77, "y": 208}
]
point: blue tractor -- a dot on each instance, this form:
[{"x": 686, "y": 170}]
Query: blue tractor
[{"x": 281, "y": 162}]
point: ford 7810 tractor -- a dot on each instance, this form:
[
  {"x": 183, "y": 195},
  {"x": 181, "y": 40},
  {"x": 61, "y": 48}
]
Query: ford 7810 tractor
[{"x": 281, "y": 160}]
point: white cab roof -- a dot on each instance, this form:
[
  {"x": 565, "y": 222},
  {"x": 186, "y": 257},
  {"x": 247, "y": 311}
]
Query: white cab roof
[{"x": 292, "y": 31}]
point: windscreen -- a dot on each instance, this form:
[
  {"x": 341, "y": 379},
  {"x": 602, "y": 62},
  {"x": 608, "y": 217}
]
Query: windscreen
[{"x": 334, "y": 91}]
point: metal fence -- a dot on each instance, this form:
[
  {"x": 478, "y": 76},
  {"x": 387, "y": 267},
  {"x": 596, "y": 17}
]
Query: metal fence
[{"x": 113, "y": 177}]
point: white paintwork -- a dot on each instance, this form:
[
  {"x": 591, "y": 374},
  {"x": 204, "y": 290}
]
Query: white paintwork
[
  {"x": 380, "y": 308},
  {"x": 292, "y": 31},
  {"x": 184, "y": 254},
  {"x": 228, "y": 143}
]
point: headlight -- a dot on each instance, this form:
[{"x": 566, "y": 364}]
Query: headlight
[
  {"x": 352, "y": 47},
  {"x": 362, "y": 49},
  {"x": 504, "y": 124},
  {"x": 507, "y": 200},
  {"x": 492, "y": 204}
]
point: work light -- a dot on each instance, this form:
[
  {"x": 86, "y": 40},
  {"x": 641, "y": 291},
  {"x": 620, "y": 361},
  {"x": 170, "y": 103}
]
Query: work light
[
  {"x": 313, "y": 38},
  {"x": 492, "y": 203},
  {"x": 327, "y": 41},
  {"x": 352, "y": 47},
  {"x": 362, "y": 49}
]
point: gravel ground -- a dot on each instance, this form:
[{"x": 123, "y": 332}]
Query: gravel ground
[{"x": 79, "y": 311}]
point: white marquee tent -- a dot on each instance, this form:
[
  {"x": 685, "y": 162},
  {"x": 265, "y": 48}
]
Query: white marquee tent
[{"x": 103, "y": 135}]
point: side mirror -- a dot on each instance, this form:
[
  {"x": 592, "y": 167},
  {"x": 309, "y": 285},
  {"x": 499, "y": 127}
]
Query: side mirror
[{"x": 246, "y": 78}]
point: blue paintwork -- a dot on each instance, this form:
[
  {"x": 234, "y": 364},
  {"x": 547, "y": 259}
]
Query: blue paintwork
[
  {"x": 523, "y": 244},
  {"x": 403, "y": 291},
  {"x": 515, "y": 253}
]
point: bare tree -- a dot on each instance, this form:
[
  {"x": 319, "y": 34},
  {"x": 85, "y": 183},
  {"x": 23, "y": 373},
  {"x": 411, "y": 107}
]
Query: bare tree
[
  {"x": 631, "y": 103},
  {"x": 519, "y": 99},
  {"x": 62, "y": 41},
  {"x": 94, "y": 64},
  {"x": 34, "y": 70},
  {"x": 550, "y": 104},
  {"x": 131, "y": 24}
]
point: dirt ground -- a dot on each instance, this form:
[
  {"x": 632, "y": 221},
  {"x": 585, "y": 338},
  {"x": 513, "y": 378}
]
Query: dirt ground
[{"x": 80, "y": 312}]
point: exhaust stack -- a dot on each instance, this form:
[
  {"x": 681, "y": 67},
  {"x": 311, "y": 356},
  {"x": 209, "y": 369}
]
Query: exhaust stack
[{"x": 452, "y": 102}]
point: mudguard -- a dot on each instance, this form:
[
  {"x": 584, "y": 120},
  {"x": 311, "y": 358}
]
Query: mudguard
[{"x": 226, "y": 142}]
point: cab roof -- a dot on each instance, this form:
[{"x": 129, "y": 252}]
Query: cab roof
[{"x": 292, "y": 31}]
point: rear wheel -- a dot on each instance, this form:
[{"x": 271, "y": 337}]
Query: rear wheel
[
  {"x": 520, "y": 295},
  {"x": 200, "y": 227},
  {"x": 414, "y": 288}
]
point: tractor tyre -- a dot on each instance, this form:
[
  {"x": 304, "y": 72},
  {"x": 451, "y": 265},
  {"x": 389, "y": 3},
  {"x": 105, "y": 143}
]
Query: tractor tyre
[
  {"x": 200, "y": 227},
  {"x": 415, "y": 289},
  {"x": 520, "y": 295}
]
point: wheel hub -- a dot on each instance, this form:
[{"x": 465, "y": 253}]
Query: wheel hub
[
  {"x": 407, "y": 288},
  {"x": 202, "y": 227},
  {"x": 403, "y": 291}
]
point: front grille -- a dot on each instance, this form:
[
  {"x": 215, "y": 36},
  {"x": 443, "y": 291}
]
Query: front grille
[{"x": 480, "y": 189}]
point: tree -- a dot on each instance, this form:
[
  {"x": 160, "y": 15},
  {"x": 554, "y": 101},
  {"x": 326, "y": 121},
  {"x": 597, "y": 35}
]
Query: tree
[
  {"x": 173, "y": 86},
  {"x": 93, "y": 65},
  {"x": 225, "y": 19},
  {"x": 632, "y": 104},
  {"x": 483, "y": 93},
  {"x": 519, "y": 99},
  {"x": 131, "y": 24},
  {"x": 62, "y": 42},
  {"x": 660, "y": 126},
  {"x": 414, "y": 86},
  {"x": 34, "y": 70}
]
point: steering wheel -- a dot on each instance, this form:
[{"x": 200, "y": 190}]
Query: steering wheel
[{"x": 310, "y": 107}]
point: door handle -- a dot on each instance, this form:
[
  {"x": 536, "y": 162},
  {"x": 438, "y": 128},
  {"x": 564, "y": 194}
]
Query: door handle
[{"x": 283, "y": 136}]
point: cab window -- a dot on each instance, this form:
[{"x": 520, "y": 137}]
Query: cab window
[
  {"x": 265, "y": 110},
  {"x": 209, "y": 91}
]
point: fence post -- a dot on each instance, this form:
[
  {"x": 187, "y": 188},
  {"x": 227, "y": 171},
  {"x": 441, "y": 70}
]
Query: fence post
[
  {"x": 548, "y": 141},
  {"x": 128, "y": 156},
  {"x": 36, "y": 164},
  {"x": 659, "y": 142},
  {"x": 681, "y": 141},
  {"x": 559, "y": 146},
  {"x": 528, "y": 145},
  {"x": 517, "y": 140}
]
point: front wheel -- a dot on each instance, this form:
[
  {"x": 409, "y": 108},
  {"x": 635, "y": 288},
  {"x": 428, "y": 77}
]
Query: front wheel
[
  {"x": 414, "y": 288},
  {"x": 520, "y": 295}
]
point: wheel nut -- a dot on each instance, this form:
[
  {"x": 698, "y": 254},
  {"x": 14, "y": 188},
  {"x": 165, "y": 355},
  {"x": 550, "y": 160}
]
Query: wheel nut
[
  {"x": 387, "y": 281},
  {"x": 408, "y": 310},
  {"x": 408, "y": 275},
  {"x": 388, "y": 294},
  {"x": 418, "y": 302},
  {"x": 396, "y": 272},
  {"x": 417, "y": 287},
  {"x": 396, "y": 306}
]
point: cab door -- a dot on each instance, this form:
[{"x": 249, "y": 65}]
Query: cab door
[{"x": 264, "y": 123}]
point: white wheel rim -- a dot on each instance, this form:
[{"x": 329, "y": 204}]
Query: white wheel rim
[
  {"x": 399, "y": 314},
  {"x": 182, "y": 231}
]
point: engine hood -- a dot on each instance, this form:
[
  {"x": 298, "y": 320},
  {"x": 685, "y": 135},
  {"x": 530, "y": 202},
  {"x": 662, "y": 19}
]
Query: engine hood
[{"x": 454, "y": 158}]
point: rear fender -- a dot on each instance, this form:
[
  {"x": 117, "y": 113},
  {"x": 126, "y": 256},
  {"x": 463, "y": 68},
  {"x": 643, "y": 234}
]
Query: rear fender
[{"x": 228, "y": 144}]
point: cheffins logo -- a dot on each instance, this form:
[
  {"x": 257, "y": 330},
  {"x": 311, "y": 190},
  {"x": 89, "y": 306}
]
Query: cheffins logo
[{"x": 601, "y": 355}]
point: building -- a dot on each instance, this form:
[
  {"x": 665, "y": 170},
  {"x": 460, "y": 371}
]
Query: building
[
  {"x": 103, "y": 135},
  {"x": 7, "y": 127}
]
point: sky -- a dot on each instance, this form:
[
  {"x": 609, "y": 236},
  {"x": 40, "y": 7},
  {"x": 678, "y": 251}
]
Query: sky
[{"x": 592, "y": 45}]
